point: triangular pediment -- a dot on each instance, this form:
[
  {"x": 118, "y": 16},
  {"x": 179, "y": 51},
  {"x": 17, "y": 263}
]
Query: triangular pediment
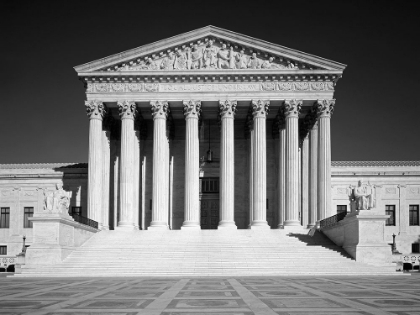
[{"x": 210, "y": 48}]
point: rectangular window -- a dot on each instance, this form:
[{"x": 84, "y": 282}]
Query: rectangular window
[
  {"x": 4, "y": 218},
  {"x": 3, "y": 250},
  {"x": 341, "y": 208},
  {"x": 415, "y": 248},
  {"x": 28, "y": 213},
  {"x": 76, "y": 210},
  {"x": 390, "y": 210},
  {"x": 414, "y": 215},
  {"x": 210, "y": 185}
]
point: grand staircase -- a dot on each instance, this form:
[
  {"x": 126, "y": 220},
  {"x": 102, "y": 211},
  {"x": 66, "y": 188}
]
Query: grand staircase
[{"x": 207, "y": 253}]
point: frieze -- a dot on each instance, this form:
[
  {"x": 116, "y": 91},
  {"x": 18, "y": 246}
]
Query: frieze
[{"x": 208, "y": 87}]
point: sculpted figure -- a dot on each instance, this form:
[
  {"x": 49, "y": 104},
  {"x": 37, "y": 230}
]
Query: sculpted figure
[
  {"x": 151, "y": 64},
  {"x": 180, "y": 60},
  {"x": 240, "y": 60},
  {"x": 210, "y": 56},
  {"x": 57, "y": 201},
  {"x": 364, "y": 195},
  {"x": 196, "y": 57},
  {"x": 254, "y": 62},
  {"x": 268, "y": 64},
  {"x": 225, "y": 60},
  {"x": 168, "y": 62}
]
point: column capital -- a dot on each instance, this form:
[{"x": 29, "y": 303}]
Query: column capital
[
  {"x": 192, "y": 109},
  {"x": 324, "y": 108},
  {"x": 260, "y": 108},
  {"x": 227, "y": 108},
  {"x": 95, "y": 109},
  {"x": 160, "y": 109},
  {"x": 292, "y": 108},
  {"x": 127, "y": 109}
]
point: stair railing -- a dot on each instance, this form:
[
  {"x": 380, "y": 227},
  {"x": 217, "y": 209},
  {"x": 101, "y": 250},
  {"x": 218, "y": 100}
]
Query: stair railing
[
  {"x": 84, "y": 220},
  {"x": 333, "y": 220}
]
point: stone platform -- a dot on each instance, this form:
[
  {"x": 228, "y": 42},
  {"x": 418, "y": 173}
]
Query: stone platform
[
  {"x": 207, "y": 253},
  {"x": 212, "y": 295}
]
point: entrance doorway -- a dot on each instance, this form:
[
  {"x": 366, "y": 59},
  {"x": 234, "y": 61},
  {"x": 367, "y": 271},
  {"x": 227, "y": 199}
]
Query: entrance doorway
[{"x": 209, "y": 202}]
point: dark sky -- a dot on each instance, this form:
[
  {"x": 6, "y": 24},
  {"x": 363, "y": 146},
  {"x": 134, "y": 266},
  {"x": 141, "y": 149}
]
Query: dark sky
[{"x": 42, "y": 102}]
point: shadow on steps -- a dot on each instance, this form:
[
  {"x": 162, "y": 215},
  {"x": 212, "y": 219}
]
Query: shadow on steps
[{"x": 319, "y": 239}]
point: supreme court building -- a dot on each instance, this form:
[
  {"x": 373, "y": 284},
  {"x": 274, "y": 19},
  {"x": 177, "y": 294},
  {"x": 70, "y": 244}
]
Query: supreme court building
[{"x": 211, "y": 129}]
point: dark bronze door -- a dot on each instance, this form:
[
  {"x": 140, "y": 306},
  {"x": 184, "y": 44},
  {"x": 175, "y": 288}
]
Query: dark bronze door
[{"x": 209, "y": 213}]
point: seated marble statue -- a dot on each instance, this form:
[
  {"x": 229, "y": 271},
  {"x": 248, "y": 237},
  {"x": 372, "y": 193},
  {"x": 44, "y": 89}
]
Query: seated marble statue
[
  {"x": 57, "y": 201},
  {"x": 364, "y": 195}
]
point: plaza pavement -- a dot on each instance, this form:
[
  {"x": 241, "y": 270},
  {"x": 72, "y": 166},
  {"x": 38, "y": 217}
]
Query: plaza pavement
[{"x": 329, "y": 295}]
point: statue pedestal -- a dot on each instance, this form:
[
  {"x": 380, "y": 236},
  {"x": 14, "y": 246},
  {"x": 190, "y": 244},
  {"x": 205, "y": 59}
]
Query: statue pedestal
[
  {"x": 362, "y": 235},
  {"x": 55, "y": 236}
]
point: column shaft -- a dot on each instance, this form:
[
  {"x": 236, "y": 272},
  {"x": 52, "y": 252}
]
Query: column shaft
[
  {"x": 136, "y": 181},
  {"x": 313, "y": 175},
  {"x": 127, "y": 111},
  {"x": 292, "y": 109},
  {"x": 305, "y": 181},
  {"x": 192, "y": 110},
  {"x": 259, "y": 111},
  {"x": 227, "y": 160},
  {"x": 106, "y": 178},
  {"x": 282, "y": 175},
  {"x": 325, "y": 109},
  {"x": 251, "y": 174},
  {"x": 160, "y": 159},
  {"x": 95, "y": 111}
]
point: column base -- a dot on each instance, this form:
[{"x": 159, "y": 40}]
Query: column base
[
  {"x": 158, "y": 228},
  {"x": 294, "y": 228},
  {"x": 291, "y": 223},
  {"x": 259, "y": 225},
  {"x": 280, "y": 226},
  {"x": 311, "y": 225},
  {"x": 227, "y": 225},
  {"x": 125, "y": 226},
  {"x": 105, "y": 228},
  {"x": 190, "y": 228}
]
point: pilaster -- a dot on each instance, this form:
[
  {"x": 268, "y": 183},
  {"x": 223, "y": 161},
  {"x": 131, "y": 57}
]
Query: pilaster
[
  {"x": 95, "y": 111},
  {"x": 160, "y": 207},
  {"x": 192, "y": 112},
  {"x": 127, "y": 111},
  {"x": 259, "y": 112},
  {"x": 227, "y": 110},
  {"x": 291, "y": 111}
]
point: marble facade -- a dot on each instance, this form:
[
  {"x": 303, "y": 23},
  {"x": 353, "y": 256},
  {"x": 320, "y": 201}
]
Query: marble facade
[{"x": 264, "y": 111}]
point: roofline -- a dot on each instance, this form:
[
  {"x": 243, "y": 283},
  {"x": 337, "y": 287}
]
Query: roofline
[{"x": 210, "y": 31}]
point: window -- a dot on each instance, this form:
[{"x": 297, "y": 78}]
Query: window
[
  {"x": 210, "y": 185},
  {"x": 415, "y": 248},
  {"x": 28, "y": 213},
  {"x": 414, "y": 214},
  {"x": 4, "y": 218},
  {"x": 3, "y": 250},
  {"x": 76, "y": 210},
  {"x": 390, "y": 210},
  {"x": 341, "y": 208}
]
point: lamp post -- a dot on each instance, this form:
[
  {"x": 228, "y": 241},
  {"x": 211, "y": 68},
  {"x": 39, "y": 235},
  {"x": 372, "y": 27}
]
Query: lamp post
[
  {"x": 394, "y": 245},
  {"x": 23, "y": 246}
]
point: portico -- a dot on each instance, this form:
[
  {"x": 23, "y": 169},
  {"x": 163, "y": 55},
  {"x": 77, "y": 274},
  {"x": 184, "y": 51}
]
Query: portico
[{"x": 268, "y": 122}]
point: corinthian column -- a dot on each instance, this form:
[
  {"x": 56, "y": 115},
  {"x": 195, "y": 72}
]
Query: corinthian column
[
  {"x": 160, "y": 207},
  {"x": 282, "y": 169},
  {"x": 259, "y": 112},
  {"x": 192, "y": 111},
  {"x": 106, "y": 134},
  {"x": 324, "y": 109},
  {"x": 136, "y": 174},
  {"x": 227, "y": 111},
  {"x": 95, "y": 111},
  {"x": 127, "y": 111},
  {"x": 313, "y": 173},
  {"x": 291, "y": 112}
]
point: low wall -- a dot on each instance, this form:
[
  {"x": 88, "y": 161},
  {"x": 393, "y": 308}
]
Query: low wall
[
  {"x": 362, "y": 235},
  {"x": 55, "y": 236}
]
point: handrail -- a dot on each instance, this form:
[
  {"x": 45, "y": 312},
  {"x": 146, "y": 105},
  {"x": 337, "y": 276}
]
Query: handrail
[
  {"x": 84, "y": 220},
  {"x": 327, "y": 222}
]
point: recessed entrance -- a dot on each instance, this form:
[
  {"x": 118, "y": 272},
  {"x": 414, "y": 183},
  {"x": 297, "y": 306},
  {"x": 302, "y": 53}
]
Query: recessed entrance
[{"x": 209, "y": 202}]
